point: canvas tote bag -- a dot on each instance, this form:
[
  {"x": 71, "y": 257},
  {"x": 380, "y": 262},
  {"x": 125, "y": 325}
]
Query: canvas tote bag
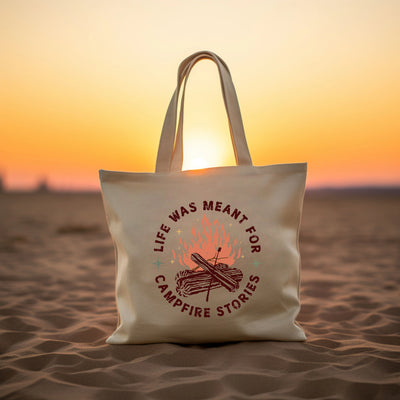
[{"x": 206, "y": 255}]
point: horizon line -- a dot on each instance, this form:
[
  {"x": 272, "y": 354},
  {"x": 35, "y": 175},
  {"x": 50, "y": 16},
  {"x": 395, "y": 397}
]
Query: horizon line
[{"x": 316, "y": 188}]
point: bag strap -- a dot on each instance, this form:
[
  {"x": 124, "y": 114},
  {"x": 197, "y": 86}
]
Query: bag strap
[{"x": 170, "y": 156}]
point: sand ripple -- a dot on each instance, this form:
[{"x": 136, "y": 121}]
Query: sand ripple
[{"x": 57, "y": 307}]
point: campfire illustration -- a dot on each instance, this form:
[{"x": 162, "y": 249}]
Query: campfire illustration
[
  {"x": 213, "y": 275},
  {"x": 205, "y": 240}
]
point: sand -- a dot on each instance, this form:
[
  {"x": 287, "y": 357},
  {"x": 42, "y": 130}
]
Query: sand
[{"x": 57, "y": 308}]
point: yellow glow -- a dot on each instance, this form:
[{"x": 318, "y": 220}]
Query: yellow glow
[
  {"x": 198, "y": 163},
  {"x": 84, "y": 88},
  {"x": 203, "y": 150}
]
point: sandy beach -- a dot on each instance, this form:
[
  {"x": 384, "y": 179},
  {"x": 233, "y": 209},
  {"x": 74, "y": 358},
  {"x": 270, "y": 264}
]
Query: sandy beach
[{"x": 57, "y": 308}]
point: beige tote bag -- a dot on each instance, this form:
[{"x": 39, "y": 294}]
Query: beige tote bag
[{"x": 206, "y": 255}]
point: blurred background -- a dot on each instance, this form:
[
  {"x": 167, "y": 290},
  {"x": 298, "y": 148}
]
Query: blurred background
[{"x": 84, "y": 85}]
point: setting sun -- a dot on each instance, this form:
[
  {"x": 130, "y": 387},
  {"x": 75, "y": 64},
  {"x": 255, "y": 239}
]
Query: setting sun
[
  {"x": 197, "y": 163},
  {"x": 205, "y": 149}
]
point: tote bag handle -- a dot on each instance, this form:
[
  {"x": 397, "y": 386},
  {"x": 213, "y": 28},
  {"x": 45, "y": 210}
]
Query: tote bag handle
[
  {"x": 170, "y": 156},
  {"x": 238, "y": 137}
]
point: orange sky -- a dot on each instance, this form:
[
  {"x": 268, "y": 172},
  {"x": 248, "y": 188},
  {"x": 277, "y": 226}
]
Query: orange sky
[{"x": 85, "y": 85}]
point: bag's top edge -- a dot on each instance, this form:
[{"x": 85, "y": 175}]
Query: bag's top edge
[{"x": 294, "y": 167}]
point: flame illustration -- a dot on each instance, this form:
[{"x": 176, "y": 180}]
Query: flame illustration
[{"x": 206, "y": 242}]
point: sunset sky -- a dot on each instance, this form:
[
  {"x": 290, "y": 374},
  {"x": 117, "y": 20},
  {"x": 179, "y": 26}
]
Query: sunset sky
[{"x": 84, "y": 85}]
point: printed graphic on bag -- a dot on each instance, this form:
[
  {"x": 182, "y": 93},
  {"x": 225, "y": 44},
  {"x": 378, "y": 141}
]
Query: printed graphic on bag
[{"x": 209, "y": 259}]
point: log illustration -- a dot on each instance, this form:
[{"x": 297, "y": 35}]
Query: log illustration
[
  {"x": 212, "y": 276},
  {"x": 219, "y": 275},
  {"x": 193, "y": 282}
]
